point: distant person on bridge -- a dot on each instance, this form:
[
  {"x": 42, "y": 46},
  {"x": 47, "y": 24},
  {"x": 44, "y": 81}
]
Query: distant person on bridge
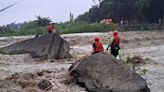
[
  {"x": 114, "y": 44},
  {"x": 97, "y": 46},
  {"x": 51, "y": 28}
]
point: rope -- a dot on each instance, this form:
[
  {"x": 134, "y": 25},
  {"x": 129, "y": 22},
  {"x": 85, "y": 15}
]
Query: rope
[
  {"x": 121, "y": 54},
  {"x": 77, "y": 64},
  {"x": 47, "y": 88}
]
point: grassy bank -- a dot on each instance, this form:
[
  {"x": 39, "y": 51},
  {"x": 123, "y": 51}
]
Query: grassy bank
[
  {"x": 140, "y": 27},
  {"x": 84, "y": 27},
  {"x": 80, "y": 27},
  {"x": 65, "y": 28}
]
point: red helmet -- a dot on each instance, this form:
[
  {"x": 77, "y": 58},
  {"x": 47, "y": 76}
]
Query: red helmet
[
  {"x": 97, "y": 39},
  {"x": 115, "y": 33}
]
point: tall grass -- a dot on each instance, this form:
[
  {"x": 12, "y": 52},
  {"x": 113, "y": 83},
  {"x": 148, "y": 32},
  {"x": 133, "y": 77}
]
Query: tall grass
[
  {"x": 83, "y": 27},
  {"x": 80, "y": 27},
  {"x": 65, "y": 28},
  {"x": 140, "y": 27},
  {"x": 31, "y": 31}
]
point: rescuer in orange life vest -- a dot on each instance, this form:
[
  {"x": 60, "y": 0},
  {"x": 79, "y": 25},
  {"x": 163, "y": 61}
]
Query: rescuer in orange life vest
[
  {"x": 97, "y": 46},
  {"x": 114, "y": 44}
]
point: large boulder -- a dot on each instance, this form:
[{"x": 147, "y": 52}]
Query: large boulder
[
  {"x": 50, "y": 45},
  {"x": 101, "y": 72}
]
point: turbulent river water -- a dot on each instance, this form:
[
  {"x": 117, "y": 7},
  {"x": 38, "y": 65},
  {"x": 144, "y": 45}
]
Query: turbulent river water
[{"x": 154, "y": 56}]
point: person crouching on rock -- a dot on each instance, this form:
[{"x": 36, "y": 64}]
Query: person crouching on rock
[
  {"x": 51, "y": 28},
  {"x": 114, "y": 44},
  {"x": 97, "y": 46}
]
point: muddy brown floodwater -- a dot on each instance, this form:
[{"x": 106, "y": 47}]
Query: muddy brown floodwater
[{"x": 21, "y": 73}]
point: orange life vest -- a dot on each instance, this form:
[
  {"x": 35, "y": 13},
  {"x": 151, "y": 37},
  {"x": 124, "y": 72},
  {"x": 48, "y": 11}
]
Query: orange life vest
[
  {"x": 116, "y": 42},
  {"x": 98, "y": 47}
]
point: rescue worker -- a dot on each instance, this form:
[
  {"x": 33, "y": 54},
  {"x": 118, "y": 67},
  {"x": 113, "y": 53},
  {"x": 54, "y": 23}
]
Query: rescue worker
[
  {"x": 114, "y": 44},
  {"x": 51, "y": 28},
  {"x": 97, "y": 46}
]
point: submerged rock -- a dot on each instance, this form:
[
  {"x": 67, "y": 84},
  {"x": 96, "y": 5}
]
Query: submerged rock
[
  {"x": 101, "y": 72},
  {"x": 44, "y": 84},
  {"x": 49, "y": 46}
]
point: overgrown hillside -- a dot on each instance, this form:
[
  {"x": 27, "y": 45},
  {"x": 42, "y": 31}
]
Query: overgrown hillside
[{"x": 149, "y": 11}]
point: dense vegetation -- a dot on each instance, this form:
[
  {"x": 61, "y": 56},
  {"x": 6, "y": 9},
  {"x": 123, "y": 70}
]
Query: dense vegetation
[
  {"x": 38, "y": 26},
  {"x": 140, "y": 11},
  {"x": 79, "y": 27},
  {"x": 139, "y": 14},
  {"x": 31, "y": 28}
]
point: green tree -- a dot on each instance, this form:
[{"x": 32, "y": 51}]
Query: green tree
[
  {"x": 116, "y": 9},
  {"x": 150, "y": 11},
  {"x": 71, "y": 17},
  {"x": 91, "y": 16},
  {"x": 42, "y": 21}
]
